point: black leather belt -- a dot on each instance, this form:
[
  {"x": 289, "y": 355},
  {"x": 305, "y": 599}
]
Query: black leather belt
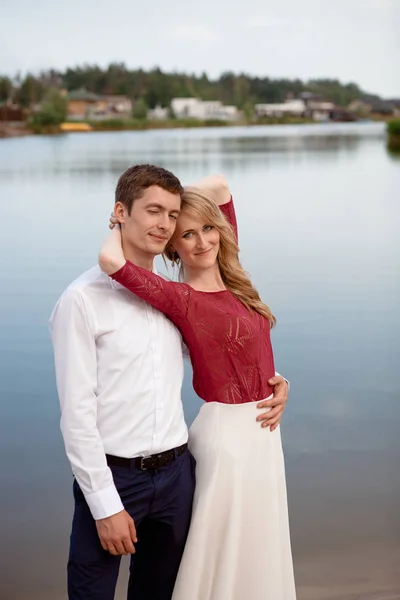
[{"x": 155, "y": 461}]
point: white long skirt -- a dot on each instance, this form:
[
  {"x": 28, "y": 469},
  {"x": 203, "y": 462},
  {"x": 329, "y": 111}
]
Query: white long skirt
[{"x": 238, "y": 546}]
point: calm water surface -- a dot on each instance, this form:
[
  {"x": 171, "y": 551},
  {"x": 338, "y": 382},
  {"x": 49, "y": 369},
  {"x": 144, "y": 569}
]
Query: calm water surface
[{"x": 318, "y": 210}]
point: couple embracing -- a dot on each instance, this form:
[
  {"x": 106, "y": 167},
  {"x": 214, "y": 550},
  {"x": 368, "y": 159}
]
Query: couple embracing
[{"x": 204, "y": 516}]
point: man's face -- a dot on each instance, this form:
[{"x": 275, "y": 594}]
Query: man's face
[{"x": 152, "y": 220}]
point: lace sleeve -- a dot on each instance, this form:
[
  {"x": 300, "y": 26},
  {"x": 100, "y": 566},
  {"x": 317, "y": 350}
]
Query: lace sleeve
[
  {"x": 228, "y": 210},
  {"x": 169, "y": 297}
]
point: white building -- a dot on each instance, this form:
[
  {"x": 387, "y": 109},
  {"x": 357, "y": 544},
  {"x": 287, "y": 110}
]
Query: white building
[
  {"x": 320, "y": 110},
  {"x": 230, "y": 112},
  {"x": 117, "y": 104},
  {"x": 217, "y": 110},
  {"x": 194, "y": 108},
  {"x": 187, "y": 108},
  {"x": 158, "y": 113},
  {"x": 289, "y": 107}
]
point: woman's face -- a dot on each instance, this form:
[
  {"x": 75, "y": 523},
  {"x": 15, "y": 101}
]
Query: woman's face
[{"x": 197, "y": 243}]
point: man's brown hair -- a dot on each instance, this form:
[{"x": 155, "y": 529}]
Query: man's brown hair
[{"x": 134, "y": 182}]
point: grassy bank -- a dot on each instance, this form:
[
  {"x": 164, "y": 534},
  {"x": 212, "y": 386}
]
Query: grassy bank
[
  {"x": 136, "y": 124},
  {"x": 145, "y": 124},
  {"x": 393, "y": 130},
  {"x": 132, "y": 125}
]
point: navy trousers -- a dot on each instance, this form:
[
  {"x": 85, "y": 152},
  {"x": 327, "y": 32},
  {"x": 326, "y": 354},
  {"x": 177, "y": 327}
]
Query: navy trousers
[{"x": 160, "y": 503}]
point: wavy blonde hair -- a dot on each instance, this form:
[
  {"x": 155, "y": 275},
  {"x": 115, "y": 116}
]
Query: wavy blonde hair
[{"x": 202, "y": 207}]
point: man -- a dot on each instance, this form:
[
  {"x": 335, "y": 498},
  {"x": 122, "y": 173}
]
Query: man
[{"x": 119, "y": 374}]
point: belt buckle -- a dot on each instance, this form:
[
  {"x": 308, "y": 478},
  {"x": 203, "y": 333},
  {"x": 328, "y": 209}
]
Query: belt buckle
[{"x": 142, "y": 467}]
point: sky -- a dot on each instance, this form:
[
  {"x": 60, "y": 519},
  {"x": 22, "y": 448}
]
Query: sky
[{"x": 350, "y": 40}]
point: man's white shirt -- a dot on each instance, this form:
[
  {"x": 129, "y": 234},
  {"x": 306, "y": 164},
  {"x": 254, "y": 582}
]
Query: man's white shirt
[{"x": 119, "y": 371}]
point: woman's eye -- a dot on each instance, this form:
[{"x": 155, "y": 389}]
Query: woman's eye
[
  {"x": 187, "y": 235},
  {"x": 207, "y": 227}
]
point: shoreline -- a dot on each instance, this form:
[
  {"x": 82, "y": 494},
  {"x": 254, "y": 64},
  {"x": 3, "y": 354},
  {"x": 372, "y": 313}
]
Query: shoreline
[{"x": 9, "y": 130}]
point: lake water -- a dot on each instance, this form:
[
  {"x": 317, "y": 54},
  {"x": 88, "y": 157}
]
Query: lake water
[{"x": 318, "y": 209}]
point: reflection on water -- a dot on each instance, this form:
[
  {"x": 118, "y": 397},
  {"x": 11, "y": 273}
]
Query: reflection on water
[
  {"x": 68, "y": 156},
  {"x": 318, "y": 222}
]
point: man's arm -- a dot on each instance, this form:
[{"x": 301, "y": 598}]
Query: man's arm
[
  {"x": 276, "y": 405},
  {"x": 76, "y": 375}
]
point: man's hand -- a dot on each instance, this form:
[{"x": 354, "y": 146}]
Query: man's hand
[
  {"x": 117, "y": 533},
  {"x": 276, "y": 405}
]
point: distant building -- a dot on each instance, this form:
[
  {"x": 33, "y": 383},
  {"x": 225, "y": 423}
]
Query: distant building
[
  {"x": 187, "y": 108},
  {"x": 194, "y": 108},
  {"x": 290, "y": 107},
  {"x": 158, "y": 113},
  {"x": 12, "y": 113},
  {"x": 371, "y": 106},
  {"x": 395, "y": 102},
  {"x": 81, "y": 104},
  {"x": 317, "y": 108},
  {"x": 308, "y": 105},
  {"x": 87, "y": 105},
  {"x": 342, "y": 115},
  {"x": 212, "y": 109},
  {"x": 114, "y": 104},
  {"x": 230, "y": 112}
]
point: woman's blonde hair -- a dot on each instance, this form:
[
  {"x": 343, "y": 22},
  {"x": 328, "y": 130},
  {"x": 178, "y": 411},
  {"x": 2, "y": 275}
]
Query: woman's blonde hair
[{"x": 201, "y": 206}]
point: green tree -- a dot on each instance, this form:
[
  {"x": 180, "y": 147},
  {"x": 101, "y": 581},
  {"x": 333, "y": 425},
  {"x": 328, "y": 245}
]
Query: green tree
[
  {"x": 53, "y": 110},
  {"x": 248, "y": 111},
  {"x": 393, "y": 129},
  {"x": 6, "y": 89},
  {"x": 139, "y": 110},
  {"x": 156, "y": 87},
  {"x": 30, "y": 92}
]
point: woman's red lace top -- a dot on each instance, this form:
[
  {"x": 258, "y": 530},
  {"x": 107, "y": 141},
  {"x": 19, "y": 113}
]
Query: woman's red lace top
[{"x": 230, "y": 349}]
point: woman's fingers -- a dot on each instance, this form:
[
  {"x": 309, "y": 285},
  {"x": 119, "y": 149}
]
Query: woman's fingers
[{"x": 113, "y": 221}]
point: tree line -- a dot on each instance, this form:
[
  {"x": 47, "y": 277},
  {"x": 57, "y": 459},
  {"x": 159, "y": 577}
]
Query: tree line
[{"x": 156, "y": 87}]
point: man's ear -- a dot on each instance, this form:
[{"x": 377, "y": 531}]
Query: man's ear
[{"x": 120, "y": 212}]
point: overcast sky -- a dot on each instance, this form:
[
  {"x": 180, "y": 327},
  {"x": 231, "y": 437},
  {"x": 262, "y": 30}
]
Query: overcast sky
[{"x": 352, "y": 40}]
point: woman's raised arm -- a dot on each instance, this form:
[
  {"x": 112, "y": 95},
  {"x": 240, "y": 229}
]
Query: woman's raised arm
[
  {"x": 169, "y": 297},
  {"x": 219, "y": 188}
]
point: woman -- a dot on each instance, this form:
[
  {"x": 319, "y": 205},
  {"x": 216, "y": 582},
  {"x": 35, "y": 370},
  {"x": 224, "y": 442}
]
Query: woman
[{"x": 238, "y": 547}]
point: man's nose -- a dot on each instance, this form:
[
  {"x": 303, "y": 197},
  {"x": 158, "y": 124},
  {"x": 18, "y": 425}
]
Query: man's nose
[{"x": 164, "y": 222}]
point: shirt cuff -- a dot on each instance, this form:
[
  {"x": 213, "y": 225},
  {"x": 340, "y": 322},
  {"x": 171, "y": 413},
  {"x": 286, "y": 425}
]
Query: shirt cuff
[
  {"x": 287, "y": 381},
  {"x": 104, "y": 503}
]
